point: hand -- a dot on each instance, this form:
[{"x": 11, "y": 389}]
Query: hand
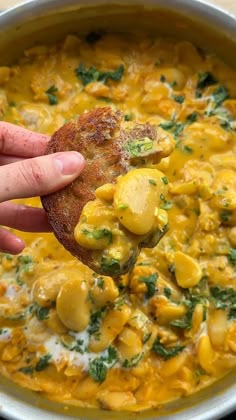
[{"x": 24, "y": 174}]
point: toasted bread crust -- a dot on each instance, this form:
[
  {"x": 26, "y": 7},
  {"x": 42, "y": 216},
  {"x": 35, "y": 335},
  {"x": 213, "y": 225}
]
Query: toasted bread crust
[
  {"x": 91, "y": 135},
  {"x": 98, "y": 135}
]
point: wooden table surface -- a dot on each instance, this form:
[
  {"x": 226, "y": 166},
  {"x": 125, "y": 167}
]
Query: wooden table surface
[{"x": 230, "y": 5}]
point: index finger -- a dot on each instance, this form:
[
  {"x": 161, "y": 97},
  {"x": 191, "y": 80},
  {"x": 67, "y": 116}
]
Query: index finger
[{"x": 18, "y": 141}]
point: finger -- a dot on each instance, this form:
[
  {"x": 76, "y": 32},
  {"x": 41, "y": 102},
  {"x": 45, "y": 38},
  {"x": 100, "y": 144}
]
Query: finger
[
  {"x": 39, "y": 176},
  {"x": 10, "y": 243},
  {"x": 18, "y": 141},
  {"x": 6, "y": 159},
  {"x": 25, "y": 218}
]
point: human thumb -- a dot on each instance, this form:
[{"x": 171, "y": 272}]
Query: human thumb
[{"x": 39, "y": 176}]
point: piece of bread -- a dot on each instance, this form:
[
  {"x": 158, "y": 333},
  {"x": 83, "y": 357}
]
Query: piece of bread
[{"x": 104, "y": 139}]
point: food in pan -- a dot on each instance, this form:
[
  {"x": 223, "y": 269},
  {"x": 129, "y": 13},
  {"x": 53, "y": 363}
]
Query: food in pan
[{"x": 168, "y": 327}]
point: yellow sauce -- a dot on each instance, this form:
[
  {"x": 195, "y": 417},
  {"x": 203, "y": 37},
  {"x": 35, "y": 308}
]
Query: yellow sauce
[
  {"x": 166, "y": 329},
  {"x": 123, "y": 218}
]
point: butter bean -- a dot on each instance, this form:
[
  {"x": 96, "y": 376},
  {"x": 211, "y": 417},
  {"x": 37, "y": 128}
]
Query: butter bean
[{"x": 137, "y": 197}]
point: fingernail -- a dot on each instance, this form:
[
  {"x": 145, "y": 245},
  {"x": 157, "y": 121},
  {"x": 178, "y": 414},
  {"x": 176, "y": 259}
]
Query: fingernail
[{"x": 69, "y": 163}]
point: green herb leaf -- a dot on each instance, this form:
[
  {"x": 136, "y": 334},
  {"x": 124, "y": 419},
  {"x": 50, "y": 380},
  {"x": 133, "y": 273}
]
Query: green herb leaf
[
  {"x": 92, "y": 74},
  {"x": 180, "y": 323},
  {"x": 134, "y": 361},
  {"x": 167, "y": 292},
  {"x": 179, "y": 98},
  {"x": 99, "y": 234},
  {"x": 98, "y": 370},
  {"x": 198, "y": 94},
  {"x": 42, "y": 313},
  {"x": 8, "y": 257},
  {"x": 186, "y": 321},
  {"x": 152, "y": 182},
  {"x": 220, "y": 95},
  {"x": 43, "y": 362},
  {"x": 162, "y": 78},
  {"x": 75, "y": 345},
  {"x": 112, "y": 356},
  {"x": 100, "y": 283},
  {"x": 139, "y": 147},
  {"x": 179, "y": 127},
  {"x": 110, "y": 266},
  {"x": 164, "y": 180},
  {"x": 167, "y": 205},
  {"x": 205, "y": 79},
  {"x": 129, "y": 117},
  {"x": 27, "y": 370},
  {"x": 146, "y": 337},
  {"x": 199, "y": 372},
  {"x": 167, "y": 125},
  {"x": 95, "y": 320},
  {"x": 87, "y": 75},
  {"x": 150, "y": 282},
  {"x": 25, "y": 259},
  {"x": 225, "y": 215},
  {"x": 232, "y": 256},
  {"x": 122, "y": 206},
  {"x": 51, "y": 95},
  {"x": 173, "y": 84},
  {"x": 226, "y": 125},
  {"x": 166, "y": 352},
  {"x": 225, "y": 298},
  {"x": 25, "y": 265},
  {"x": 191, "y": 118},
  {"x": 187, "y": 149},
  {"x": 98, "y": 367}
]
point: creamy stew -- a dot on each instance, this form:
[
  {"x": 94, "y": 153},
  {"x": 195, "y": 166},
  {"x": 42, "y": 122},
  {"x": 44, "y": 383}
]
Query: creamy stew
[{"x": 168, "y": 328}]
